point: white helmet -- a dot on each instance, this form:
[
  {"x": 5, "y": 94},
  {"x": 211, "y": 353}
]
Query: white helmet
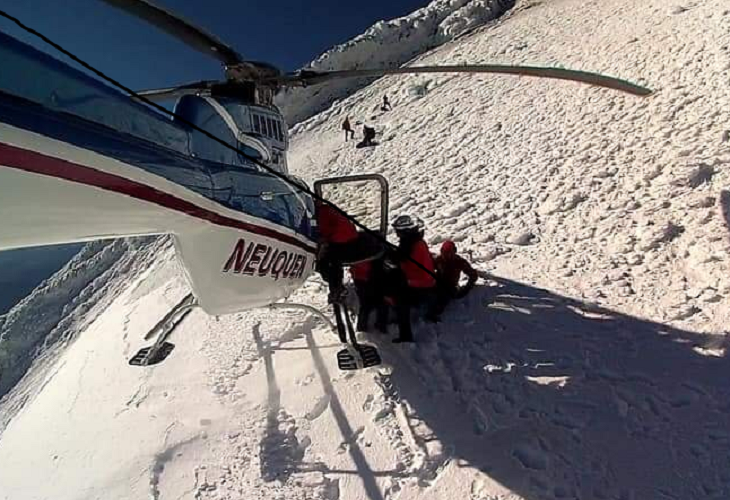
[{"x": 407, "y": 223}]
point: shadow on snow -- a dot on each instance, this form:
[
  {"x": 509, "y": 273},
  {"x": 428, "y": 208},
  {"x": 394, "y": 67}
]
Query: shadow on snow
[{"x": 556, "y": 398}]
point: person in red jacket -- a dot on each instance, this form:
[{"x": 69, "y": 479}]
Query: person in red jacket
[
  {"x": 449, "y": 267},
  {"x": 415, "y": 282},
  {"x": 340, "y": 244}
]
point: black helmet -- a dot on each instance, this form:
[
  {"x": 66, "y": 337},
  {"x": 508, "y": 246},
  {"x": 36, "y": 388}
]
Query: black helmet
[{"x": 406, "y": 224}]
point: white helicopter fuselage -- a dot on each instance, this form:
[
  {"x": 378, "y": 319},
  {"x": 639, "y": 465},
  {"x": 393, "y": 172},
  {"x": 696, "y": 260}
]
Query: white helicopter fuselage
[
  {"x": 53, "y": 192},
  {"x": 80, "y": 162}
]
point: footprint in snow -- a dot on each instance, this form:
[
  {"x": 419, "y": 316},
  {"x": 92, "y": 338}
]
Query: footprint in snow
[{"x": 319, "y": 408}]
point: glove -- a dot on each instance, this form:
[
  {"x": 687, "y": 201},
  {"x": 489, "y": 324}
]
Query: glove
[{"x": 390, "y": 265}]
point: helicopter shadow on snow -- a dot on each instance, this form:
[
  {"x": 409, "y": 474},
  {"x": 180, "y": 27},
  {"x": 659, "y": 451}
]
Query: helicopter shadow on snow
[
  {"x": 281, "y": 452},
  {"x": 549, "y": 396},
  {"x": 557, "y": 398}
]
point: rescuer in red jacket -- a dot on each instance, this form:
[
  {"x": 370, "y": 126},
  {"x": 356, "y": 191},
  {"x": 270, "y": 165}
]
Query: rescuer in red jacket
[
  {"x": 449, "y": 267},
  {"x": 340, "y": 244},
  {"x": 414, "y": 283}
]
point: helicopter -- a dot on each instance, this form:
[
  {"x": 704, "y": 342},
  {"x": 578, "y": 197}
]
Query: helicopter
[{"x": 214, "y": 176}]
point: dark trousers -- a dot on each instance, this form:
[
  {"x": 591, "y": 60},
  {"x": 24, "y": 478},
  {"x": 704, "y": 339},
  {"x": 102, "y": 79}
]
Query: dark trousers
[
  {"x": 444, "y": 294},
  {"x": 412, "y": 297},
  {"x": 369, "y": 300},
  {"x": 406, "y": 298},
  {"x": 349, "y": 134}
]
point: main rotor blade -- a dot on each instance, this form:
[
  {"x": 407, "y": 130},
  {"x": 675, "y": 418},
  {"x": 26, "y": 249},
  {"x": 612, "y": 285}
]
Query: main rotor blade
[
  {"x": 176, "y": 26},
  {"x": 158, "y": 95},
  {"x": 307, "y": 77}
]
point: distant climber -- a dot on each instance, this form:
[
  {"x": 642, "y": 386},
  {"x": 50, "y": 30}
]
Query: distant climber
[
  {"x": 349, "y": 133},
  {"x": 368, "y": 137},
  {"x": 386, "y": 104},
  {"x": 449, "y": 266}
]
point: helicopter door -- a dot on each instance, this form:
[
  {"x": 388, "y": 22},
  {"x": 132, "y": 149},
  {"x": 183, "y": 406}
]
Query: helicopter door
[{"x": 364, "y": 197}]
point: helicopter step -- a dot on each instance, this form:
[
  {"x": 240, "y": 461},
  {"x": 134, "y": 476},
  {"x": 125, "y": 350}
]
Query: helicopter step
[
  {"x": 355, "y": 356},
  {"x": 161, "y": 349}
]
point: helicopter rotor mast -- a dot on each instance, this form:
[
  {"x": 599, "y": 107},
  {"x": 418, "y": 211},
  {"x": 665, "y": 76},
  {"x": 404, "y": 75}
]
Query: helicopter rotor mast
[{"x": 237, "y": 69}]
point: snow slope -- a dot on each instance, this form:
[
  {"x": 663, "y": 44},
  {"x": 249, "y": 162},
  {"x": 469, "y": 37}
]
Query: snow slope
[
  {"x": 592, "y": 366},
  {"x": 388, "y": 44},
  {"x": 435, "y": 24},
  {"x": 37, "y": 329}
]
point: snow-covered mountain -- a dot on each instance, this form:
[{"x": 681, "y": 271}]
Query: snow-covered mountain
[
  {"x": 48, "y": 319},
  {"x": 592, "y": 365},
  {"x": 22, "y": 270},
  {"x": 389, "y": 44}
]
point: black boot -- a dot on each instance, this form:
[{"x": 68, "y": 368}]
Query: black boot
[{"x": 405, "y": 333}]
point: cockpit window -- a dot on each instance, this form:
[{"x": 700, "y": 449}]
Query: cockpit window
[{"x": 269, "y": 127}]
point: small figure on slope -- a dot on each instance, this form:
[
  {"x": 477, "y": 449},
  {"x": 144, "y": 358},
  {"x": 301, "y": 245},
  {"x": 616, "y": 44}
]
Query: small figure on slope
[
  {"x": 386, "y": 104},
  {"x": 368, "y": 137},
  {"x": 349, "y": 133}
]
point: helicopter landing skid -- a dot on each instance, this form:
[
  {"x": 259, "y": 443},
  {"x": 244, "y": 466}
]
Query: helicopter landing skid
[
  {"x": 161, "y": 349},
  {"x": 355, "y": 356}
]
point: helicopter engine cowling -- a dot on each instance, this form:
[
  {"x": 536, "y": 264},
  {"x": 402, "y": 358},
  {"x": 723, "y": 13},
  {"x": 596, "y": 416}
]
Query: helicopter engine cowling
[{"x": 259, "y": 131}]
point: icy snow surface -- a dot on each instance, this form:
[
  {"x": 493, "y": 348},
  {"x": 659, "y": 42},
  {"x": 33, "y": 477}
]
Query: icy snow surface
[{"x": 592, "y": 366}]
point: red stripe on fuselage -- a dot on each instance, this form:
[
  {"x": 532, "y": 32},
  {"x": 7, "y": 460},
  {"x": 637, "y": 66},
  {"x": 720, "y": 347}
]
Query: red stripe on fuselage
[{"x": 37, "y": 163}]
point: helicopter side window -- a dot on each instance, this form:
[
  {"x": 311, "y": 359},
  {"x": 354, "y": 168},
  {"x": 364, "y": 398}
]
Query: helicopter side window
[
  {"x": 269, "y": 132},
  {"x": 257, "y": 124},
  {"x": 279, "y": 133}
]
